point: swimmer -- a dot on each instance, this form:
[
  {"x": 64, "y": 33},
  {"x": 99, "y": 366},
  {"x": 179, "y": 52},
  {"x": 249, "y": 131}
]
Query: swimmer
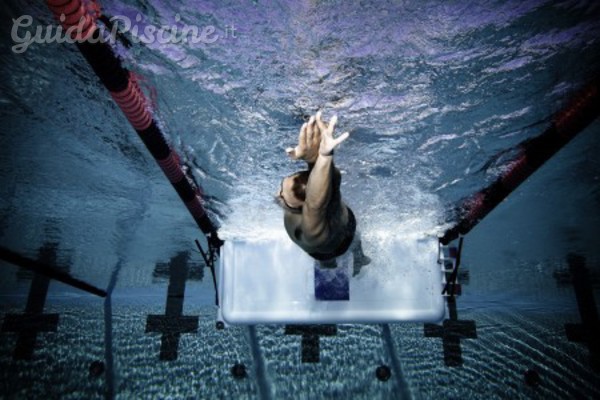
[{"x": 315, "y": 216}]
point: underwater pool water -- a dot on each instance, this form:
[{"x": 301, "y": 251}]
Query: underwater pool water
[{"x": 436, "y": 95}]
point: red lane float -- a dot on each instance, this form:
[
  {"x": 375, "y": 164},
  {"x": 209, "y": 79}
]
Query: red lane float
[
  {"x": 74, "y": 18},
  {"x": 79, "y": 19},
  {"x": 171, "y": 168},
  {"x": 566, "y": 124},
  {"x": 133, "y": 104}
]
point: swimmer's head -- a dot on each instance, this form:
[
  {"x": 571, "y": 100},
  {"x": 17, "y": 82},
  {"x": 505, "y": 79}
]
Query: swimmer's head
[{"x": 293, "y": 191}]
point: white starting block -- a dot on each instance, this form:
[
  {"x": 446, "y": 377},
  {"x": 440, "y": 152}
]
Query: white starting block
[{"x": 274, "y": 281}]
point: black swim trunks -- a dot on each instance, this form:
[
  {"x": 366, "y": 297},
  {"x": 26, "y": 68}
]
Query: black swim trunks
[{"x": 343, "y": 247}]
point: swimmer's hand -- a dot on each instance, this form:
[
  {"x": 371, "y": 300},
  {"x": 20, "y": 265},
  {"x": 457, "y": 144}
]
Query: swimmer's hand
[
  {"x": 328, "y": 142},
  {"x": 309, "y": 141}
]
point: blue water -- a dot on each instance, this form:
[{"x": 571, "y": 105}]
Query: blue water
[{"x": 435, "y": 96}]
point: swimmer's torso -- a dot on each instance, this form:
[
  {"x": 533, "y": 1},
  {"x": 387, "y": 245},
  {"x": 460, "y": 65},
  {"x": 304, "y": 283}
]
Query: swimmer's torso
[{"x": 332, "y": 234}]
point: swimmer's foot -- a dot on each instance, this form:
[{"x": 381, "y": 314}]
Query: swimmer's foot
[{"x": 360, "y": 260}]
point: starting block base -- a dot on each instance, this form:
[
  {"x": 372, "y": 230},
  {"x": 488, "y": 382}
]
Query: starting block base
[{"x": 274, "y": 281}]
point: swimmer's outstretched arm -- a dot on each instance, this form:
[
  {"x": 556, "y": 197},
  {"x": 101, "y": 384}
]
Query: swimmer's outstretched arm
[
  {"x": 309, "y": 141},
  {"x": 319, "y": 187}
]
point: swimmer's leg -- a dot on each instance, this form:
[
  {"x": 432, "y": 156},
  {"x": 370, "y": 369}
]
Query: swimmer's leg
[
  {"x": 329, "y": 264},
  {"x": 360, "y": 259}
]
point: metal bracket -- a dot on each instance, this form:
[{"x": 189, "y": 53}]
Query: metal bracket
[{"x": 210, "y": 257}]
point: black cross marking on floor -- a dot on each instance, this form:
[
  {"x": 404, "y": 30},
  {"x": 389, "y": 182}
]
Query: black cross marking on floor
[
  {"x": 33, "y": 320},
  {"x": 172, "y": 325},
  {"x": 311, "y": 339},
  {"x": 452, "y": 331},
  {"x": 588, "y": 331}
]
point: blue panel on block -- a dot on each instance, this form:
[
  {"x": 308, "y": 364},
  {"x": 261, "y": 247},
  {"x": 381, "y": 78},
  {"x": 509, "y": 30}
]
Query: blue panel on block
[
  {"x": 332, "y": 284},
  {"x": 272, "y": 280}
]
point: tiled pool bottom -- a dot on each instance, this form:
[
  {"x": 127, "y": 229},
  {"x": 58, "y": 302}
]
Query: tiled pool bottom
[{"x": 507, "y": 344}]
